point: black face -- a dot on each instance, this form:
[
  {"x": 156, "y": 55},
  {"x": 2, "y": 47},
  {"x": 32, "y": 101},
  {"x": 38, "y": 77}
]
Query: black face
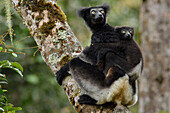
[
  {"x": 126, "y": 32},
  {"x": 97, "y": 15},
  {"x": 94, "y": 16}
]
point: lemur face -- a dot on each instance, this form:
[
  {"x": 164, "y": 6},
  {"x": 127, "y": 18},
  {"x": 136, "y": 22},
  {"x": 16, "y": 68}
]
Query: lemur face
[
  {"x": 126, "y": 32},
  {"x": 97, "y": 15},
  {"x": 94, "y": 16}
]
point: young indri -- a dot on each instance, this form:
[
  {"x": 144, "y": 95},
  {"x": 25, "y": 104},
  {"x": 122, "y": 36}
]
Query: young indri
[
  {"x": 124, "y": 53},
  {"x": 104, "y": 70}
]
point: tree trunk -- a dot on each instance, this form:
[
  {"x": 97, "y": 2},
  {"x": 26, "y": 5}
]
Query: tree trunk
[
  {"x": 57, "y": 44},
  {"x": 155, "y": 42}
]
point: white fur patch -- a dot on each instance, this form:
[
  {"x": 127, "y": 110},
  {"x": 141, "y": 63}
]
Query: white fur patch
[
  {"x": 120, "y": 92},
  {"x": 135, "y": 96},
  {"x": 136, "y": 71},
  {"x": 84, "y": 58}
]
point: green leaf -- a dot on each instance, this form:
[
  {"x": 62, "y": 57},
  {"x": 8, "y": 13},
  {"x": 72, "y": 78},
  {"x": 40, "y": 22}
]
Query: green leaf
[
  {"x": 3, "y": 82},
  {"x": 17, "y": 65},
  {"x": 10, "y": 50},
  {"x": 1, "y": 48},
  {"x": 4, "y": 79},
  {"x": 18, "y": 71},
  {"x": 11, "y": 109},
  {"x": 1, "y": 109},
  {"x": 2, "y": 75},
  {"x": 1, "y": 92},
  {"x": 3, "y": 103},
  {"x": 5, "y": 63},
  {"x": 12, "y": 65},
  {"x": 4, "y": 90},
  {"x": 15, "y": 69},
  {"x": 15, "y": 55}
]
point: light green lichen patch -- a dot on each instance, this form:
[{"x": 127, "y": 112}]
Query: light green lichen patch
[
  {"x": 52, "y": 59},
  {"x": 62, "y": 34},
  {"x": 55, "y": 40}
]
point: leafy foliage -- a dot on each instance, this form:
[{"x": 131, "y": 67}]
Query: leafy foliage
[
  {"x": 12, "y": 65},
  {"x": 5, "y": 106}
]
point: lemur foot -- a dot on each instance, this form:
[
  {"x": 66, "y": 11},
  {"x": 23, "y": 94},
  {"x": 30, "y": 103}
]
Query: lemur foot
[
  {"x": 121, "y": 109},
  {"x": 85, "y": 99}
]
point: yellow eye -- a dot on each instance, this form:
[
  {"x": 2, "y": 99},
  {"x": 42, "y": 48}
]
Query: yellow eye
[
  {"x": 102, "y": 12},
  {"x": 93, "y": 12},
  {"x": 130, "y": 31},
  {"x": 123, "y": 32}
]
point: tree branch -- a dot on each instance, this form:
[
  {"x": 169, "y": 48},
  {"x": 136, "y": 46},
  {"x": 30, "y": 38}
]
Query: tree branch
[{"x": 57, "y": 43}]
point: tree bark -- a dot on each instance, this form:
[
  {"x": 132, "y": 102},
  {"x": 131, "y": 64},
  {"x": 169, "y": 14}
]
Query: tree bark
[
  {"x": 57, "y": 43},
  {"x": 155, "y": 43}
]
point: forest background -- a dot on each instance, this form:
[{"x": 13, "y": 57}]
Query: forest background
[{"x": 38, "y": 91}]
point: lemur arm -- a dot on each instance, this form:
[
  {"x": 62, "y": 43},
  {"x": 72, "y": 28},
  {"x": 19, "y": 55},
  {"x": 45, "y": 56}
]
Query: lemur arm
[
  {"x": 115, "y": 58},
  {"x": 101, "y": 56},
  {"x": 62, "y": 73}
]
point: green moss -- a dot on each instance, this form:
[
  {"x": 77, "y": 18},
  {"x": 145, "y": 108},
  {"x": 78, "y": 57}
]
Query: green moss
[
  {"x": 60, "y": 14},
  {"x": 41, "y": 5},
  {"x": 54, "y": 14},
  {"x": 39, "y": 17},
  {"x": 64, "y": 60},
  {"x": 46, "y": 28}
]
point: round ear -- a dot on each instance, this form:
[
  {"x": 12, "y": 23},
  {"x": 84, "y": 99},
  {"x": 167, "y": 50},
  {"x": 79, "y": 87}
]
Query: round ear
[
  {"x": 82, "y": 11},
  {"x": 106, "y": 8},
  {"x": 133, "y": 29}
]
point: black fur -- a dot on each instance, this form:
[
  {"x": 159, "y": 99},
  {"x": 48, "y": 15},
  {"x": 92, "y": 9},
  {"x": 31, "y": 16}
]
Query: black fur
[
  {"x": 85, "y": 14},
  {"x": 109, "y": 57},
  {"x": 124, "y": 53},
  {"x": 103, "y": 34},
  {"x": 85, "y": 99}
]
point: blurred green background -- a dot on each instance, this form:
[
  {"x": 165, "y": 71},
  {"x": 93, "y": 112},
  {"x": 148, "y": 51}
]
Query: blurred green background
[{"x": 38, "y": 91}]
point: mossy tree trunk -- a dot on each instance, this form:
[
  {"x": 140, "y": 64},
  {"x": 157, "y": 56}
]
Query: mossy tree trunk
[
  {"x": 155, "y": 42},
  {"x": 57, "y": 44}
]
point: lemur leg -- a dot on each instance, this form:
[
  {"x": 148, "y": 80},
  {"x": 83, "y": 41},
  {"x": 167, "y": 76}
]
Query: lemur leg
[
  {"x": 89, "y": 78},
  {"x": 85, "y": 99},
  {"x": 111, "y": 59},
  {"x": 101, "y": 57},
  {"x": 85, "y": 73},
  {"x": 113, "y": 74}
]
